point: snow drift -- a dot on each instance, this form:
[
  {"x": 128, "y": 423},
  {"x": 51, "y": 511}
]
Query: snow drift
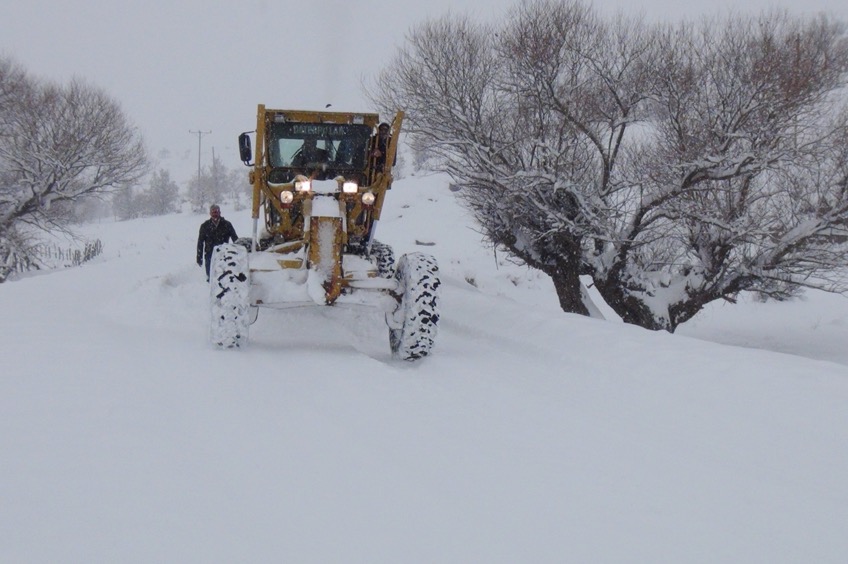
[{"x": 528, "y": 435}]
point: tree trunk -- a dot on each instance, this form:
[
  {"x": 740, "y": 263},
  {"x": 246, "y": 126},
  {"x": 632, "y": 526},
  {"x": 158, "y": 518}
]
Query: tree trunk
[
  {"x": 635, "y": 312},
  {"x": 567, "y": 285},
  {"x": 630, "y": 309},
  {"x": 561, "y": 260}
]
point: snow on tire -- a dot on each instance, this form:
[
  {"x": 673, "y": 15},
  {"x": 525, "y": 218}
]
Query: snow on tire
[
  {"x": 383, "y": 257},
  {"x": 413, "y": 326},
  {"x": 229, "y": 287}
]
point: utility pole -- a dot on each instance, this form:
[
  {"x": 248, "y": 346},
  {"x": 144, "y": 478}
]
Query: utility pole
[{"x": 199, "y": 135}]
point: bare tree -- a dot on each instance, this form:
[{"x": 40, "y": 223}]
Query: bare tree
[
  {"x": 740, "y": 172},
  {"x": 529, "y": 120},
  {"x": 238, "y": 189},
  {"x": 160, "y": 197},
  {"x": 162, "y": 194},
  {"x": 674, "y": 165},
  {"x": 125, "y": 204},
  {"x": 218, "y": 184},
  {"x": 57, "y": 144},
  {"x": 213, "y": 185}
]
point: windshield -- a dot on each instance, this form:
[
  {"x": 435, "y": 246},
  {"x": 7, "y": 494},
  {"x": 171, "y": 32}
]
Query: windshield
[{"x": 306, "y": 145}]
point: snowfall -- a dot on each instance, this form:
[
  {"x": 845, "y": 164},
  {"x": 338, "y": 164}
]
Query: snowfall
[{"x": 528, "y": 436}]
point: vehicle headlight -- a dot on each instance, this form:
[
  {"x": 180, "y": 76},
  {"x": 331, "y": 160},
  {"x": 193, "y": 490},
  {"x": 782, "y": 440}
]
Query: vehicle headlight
[
  {"x": 286, "y": 197},
  {"x": 350, "y": 187},
  {"x": 303, "y": 185},
  {"x": 368, "y": 198}
]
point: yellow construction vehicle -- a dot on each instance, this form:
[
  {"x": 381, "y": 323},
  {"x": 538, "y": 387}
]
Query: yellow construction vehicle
[{"x": 320, "y": 179}]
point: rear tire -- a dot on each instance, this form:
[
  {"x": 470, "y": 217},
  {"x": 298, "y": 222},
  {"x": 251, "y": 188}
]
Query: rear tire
[
  {"x": 414, "y": 324},
  {"x": 383, "y": 256},
  {"x": 229, "y": 296},
  {"x": 246, "y": 242}
]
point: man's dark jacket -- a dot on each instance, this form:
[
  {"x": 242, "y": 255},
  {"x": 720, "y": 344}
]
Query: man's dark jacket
[{"x": 211, "y": 236}]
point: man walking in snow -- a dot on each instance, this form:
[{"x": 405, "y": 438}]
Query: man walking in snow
[{"x": 213, "y": 232}]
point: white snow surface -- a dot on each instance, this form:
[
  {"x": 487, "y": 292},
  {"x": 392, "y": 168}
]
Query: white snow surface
[{"x": 529, "y": 435}]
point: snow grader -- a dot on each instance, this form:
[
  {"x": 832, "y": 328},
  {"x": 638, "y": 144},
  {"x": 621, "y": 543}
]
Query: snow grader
[{"x": 320, "y": 179}]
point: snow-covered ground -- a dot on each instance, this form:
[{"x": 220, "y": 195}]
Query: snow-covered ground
[{"x": 528, "y": 436}]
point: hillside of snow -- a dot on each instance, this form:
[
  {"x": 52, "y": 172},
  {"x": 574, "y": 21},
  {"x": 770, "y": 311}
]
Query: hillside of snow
[{"x": 529, "y": 435}]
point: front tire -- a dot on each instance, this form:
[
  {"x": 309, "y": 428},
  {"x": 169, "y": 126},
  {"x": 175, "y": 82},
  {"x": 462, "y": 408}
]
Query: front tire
[
  {"x": 229, "y": 296},
  {"x": 414, "y": 324}
]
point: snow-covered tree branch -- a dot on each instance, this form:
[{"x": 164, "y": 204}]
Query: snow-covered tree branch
[
  {"x": 676, "y": 165},
  {"x": 57, "y": 144}
]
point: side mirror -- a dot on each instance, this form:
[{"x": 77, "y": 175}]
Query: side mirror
[{"x": 245, "y": 150}]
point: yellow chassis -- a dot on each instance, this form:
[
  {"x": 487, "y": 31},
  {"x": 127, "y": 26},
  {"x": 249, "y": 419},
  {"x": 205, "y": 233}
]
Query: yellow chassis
[{"x": 308, "y": 263}]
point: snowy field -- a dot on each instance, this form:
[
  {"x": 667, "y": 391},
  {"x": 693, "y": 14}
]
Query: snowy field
[{"x": 529, "y": 436}]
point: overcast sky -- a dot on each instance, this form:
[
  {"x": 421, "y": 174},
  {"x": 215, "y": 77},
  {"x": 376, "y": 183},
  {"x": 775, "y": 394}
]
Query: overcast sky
[{"x": 178, "y": 66}]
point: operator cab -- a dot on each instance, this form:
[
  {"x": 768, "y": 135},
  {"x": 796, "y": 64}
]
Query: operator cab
[{"x": 318, "y": 150}]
